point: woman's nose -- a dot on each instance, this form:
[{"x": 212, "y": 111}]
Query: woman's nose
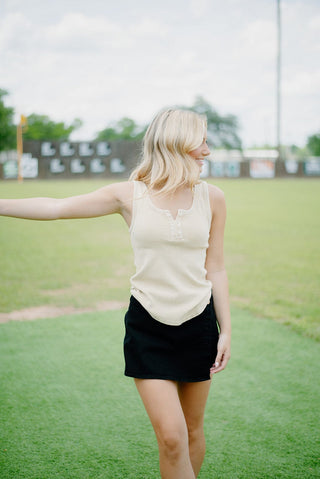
[{"x": 206, "y": 151}]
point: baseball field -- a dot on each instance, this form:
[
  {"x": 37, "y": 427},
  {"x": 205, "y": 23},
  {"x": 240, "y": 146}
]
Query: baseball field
[{"x": 67, "y": 411}]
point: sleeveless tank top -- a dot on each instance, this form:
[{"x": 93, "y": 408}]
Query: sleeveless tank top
[{"x": 169, "y": 255}]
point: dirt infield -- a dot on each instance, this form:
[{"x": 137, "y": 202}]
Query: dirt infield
[{"x": 46, "y": 311}]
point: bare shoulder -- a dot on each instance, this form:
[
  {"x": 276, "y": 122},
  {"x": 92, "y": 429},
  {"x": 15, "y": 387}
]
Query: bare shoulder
[
  {"x": 215, "y": 192},
  {"x": 217, "y": 198},
  {"x": 122, "y": 192}
]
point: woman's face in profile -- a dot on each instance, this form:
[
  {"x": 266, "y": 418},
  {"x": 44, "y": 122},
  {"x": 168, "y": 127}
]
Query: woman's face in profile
[{"x": 200, "y": 153}]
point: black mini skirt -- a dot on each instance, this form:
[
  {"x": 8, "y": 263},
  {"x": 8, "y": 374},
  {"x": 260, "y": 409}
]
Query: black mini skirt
[{"x": 154, "y": 350}]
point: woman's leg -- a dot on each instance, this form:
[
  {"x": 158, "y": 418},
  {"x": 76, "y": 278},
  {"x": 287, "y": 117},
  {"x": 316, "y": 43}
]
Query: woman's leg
[
  {"x": 193, "y": 398},
  {"x": 162, "y": 403}
]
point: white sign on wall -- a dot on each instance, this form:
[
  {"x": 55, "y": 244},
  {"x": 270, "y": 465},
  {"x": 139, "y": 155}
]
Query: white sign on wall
[
  {"x": 47, "y": 149},
  {"x": 103, "y": 148},
  {"x": 262, "y": 169},
  {"x": 29, "y": 166},
  {"x": 57, "y": 166},
  {"x": 232, "y": 169},
  {"x": 97, "y": 166},
  {"x": 291, "y": 166},
  {"x": 66, "y": 149},
  {"x": 217, "y": 168},
  {"x": 85, "y": 149},
  {"x": 77, "y": 166},
  {"x": 10, "y": 169},
  {"x": 312, "y": 167},
  {"x": 117, "y": 166}
]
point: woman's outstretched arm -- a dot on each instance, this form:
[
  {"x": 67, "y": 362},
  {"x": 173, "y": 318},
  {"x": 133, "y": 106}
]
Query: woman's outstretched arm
[{"x": 106, "y": 200}]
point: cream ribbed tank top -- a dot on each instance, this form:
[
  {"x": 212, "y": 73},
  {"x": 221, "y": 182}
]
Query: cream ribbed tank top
[{"x": 169, "y": 254}]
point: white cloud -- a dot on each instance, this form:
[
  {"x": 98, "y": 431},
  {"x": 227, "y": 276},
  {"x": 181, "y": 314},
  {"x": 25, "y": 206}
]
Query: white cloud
[
  {"x": 198, "y": 7},
  {"x": 76, "y": 31},
  {"x": 15, "y": 32},
  {"x": 148, "y": 27},
  {"x": 80, "y": 32},
  {"x": 314, "y": 23},
  {"x": 257, "y": 41},
  {"x": 100, "y": 61},
  {"x": 302, "y": 84}
]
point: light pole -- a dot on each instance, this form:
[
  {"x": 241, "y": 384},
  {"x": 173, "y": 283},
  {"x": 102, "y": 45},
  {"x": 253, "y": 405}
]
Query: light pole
[{"x": 278, "y": 122}]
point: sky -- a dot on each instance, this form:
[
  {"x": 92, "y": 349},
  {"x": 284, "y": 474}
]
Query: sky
[{"x": 101, "y": 60}]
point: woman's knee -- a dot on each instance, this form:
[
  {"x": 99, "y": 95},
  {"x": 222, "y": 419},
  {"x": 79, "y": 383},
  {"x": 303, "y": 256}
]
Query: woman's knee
[
  {"x": 196, "y": 435},
  {"x": 172, "y": 441}
]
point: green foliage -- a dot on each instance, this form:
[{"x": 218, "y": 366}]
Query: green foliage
[
  {"x": 313, "y": 144},
  {"x": 7, "y": 127},
  {"x": 262, "y": 146},
  {"x": 40, "y": 127},
  {"x": 298, "y": 152},
  {"x": 124, "y": 129},
  {"x": 222, "y": 130}
]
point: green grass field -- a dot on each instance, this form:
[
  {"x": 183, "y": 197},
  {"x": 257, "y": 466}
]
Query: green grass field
[
  {"x": 272, "y": 252},
  {"x": 67, "y": 411}
]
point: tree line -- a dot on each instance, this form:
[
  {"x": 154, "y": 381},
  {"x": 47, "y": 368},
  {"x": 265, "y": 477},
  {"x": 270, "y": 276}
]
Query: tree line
[{"x": 222, "y": 129}]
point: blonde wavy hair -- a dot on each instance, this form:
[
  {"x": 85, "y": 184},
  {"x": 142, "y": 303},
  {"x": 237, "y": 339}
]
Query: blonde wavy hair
[{"x": 166, "y": 163}]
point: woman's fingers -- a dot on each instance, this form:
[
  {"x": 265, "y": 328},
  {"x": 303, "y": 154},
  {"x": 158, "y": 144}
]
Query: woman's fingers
[{"x": 223, "y": 356}]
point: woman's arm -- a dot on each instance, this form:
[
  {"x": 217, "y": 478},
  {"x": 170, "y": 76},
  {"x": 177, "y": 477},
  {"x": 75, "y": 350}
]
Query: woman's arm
[
  {"x": 107, "y": 200},
  {"x": 217, "y": 274}
]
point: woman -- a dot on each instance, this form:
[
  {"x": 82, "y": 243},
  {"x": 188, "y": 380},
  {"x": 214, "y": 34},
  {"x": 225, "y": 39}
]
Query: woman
[{"x": 179, "y": 292}]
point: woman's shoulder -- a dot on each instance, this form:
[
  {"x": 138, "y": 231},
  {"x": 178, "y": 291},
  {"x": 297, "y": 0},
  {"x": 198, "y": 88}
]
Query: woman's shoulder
[
  {"x": 128, "y": 190},
  {"x": 214, "y": 191},
  {"x": 121, "y": 191},
  {"x": 216, "y": 196}
]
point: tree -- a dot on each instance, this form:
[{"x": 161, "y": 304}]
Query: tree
[
  {"x": 7, "y": 127},
  {"x": 40, "y": 127},
  {"x": 124, "y": 129},
  {"x": 313, "y": 144},
  {"x": 222, "y": 130}
]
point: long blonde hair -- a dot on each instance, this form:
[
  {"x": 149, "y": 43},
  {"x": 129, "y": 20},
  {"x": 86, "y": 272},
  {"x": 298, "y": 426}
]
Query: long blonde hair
[{"x": 170, "y": 137}]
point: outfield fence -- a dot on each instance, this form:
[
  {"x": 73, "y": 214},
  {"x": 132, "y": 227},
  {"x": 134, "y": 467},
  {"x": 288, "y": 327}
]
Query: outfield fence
[{"x": 50, "y": 160}]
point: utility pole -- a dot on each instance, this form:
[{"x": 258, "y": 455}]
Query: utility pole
[{"x": 279, "y": 79}]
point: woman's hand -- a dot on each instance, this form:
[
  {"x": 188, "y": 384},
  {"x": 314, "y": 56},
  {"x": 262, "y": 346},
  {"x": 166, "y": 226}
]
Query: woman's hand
[{"x": 223, "y": 354}]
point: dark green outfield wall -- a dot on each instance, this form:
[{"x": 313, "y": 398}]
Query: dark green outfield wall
[{"x": 49, "y": 160}]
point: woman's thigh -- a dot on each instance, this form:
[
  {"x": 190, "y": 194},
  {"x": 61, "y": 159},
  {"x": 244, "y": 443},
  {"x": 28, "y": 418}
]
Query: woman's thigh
[
  {"x": 193, "y": 399},
  {"x": 162, "y": 403}
]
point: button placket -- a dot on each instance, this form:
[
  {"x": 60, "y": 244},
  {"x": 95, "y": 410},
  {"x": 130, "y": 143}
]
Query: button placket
[{"x": 175, "y": 227}]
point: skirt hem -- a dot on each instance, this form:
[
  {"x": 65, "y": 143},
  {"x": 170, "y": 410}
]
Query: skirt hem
[{"x": 166, "y": 377}]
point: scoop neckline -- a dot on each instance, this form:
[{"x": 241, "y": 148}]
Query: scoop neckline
[{"x": 180, "y": 212}]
